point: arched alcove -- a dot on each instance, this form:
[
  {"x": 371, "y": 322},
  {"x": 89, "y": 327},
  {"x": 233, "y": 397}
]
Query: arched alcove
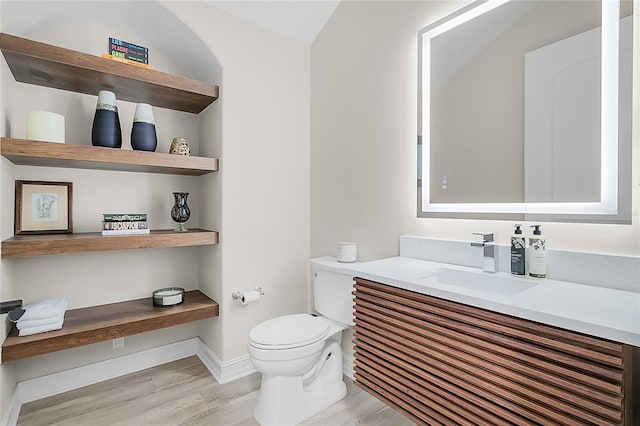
[
  {"x": 86, "y": 26},
  {"x": 113, "y": 276}
]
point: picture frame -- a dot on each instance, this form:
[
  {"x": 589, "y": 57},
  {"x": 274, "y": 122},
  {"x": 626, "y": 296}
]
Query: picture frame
[{"x": 43, "y": 207}]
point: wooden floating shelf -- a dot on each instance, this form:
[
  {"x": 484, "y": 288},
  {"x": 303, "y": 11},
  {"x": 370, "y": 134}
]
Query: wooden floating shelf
[
  {"x": 49, "y": 154},
  {"x": 44, "y": 245},
  {"x": 100, "y": 323},
  {"x": 52, "y": 66}
]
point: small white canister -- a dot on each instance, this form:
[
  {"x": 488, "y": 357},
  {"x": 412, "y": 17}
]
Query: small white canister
[{"x": 347, "y": 251}]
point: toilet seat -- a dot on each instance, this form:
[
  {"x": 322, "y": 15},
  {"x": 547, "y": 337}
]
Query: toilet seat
[{"x": 288, "y": 332}]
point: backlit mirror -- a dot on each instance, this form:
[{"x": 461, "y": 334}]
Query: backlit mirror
[{"x": 525, "y": 112}]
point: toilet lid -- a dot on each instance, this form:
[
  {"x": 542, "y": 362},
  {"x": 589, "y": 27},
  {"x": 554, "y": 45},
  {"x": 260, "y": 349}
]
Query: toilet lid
[{"x": 289, "y": 331}]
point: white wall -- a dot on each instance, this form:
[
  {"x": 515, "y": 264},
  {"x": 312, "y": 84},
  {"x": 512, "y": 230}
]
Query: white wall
[
  {"x": 363, "y": 139},
  {"x": 264, "y": 175},
  {"x": 259, "y": 200}
]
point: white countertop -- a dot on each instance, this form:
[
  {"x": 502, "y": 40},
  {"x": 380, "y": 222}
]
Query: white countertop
[{"x": 597, "y": 311}]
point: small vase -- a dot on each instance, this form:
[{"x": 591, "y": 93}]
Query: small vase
[
  {"x": 143, "y": 133},
  {"x": 180, "y": 211},
  {"x": 106, "y": 122},
  {"x": 143, "y": 137}
]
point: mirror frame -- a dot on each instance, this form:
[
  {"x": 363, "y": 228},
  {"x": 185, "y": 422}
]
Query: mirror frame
[{"x": 615, "y": 203}]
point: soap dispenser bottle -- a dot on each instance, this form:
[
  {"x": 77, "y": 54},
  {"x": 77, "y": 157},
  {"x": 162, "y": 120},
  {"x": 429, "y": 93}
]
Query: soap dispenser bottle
[
  {"x": 537, "y": 263},
  {"x": 517, "y": 251}
]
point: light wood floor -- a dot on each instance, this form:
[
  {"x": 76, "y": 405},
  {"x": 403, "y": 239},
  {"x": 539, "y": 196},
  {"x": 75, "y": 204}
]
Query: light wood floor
[{"x": 184, "y": 393}]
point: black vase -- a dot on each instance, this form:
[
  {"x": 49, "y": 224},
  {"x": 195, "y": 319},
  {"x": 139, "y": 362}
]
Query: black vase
[
  {"x": 106, "y": 122},
  {"x": 143, "y": 136},
  {"x": 180, "y": 211}
]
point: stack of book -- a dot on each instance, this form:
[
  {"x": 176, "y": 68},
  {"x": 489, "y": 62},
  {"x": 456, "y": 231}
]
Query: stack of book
[
  {"x": 128, "y": 51},
  {"x": 124, "y": 224}
]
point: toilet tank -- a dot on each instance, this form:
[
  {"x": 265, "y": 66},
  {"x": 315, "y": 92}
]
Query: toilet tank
[{"x": 332, "y": 290}]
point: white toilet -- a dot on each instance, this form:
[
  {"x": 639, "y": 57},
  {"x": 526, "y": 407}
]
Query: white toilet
[{"x": 300, "y": 356}]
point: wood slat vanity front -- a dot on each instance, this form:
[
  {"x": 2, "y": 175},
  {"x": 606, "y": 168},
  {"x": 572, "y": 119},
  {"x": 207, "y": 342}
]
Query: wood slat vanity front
[{"x": 442, "y": 362}]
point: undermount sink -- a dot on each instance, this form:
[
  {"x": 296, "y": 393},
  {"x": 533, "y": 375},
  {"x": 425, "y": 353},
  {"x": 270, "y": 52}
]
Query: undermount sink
[{"x": 478, "y": 281}]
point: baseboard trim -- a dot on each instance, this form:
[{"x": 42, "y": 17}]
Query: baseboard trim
[
  {"x": 64, "y": 381},
  {"x": 53, "y": 384},
  {"x": 348, "y": 366},
  {"x": 224, "y": 372},
  {"x": 14, "y": 411}
]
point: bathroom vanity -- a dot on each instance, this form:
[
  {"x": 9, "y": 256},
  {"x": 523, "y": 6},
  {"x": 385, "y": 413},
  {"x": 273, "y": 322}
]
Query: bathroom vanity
[
  {"x": 506, "y": 350},
  {"x": 442, "y": 362}
]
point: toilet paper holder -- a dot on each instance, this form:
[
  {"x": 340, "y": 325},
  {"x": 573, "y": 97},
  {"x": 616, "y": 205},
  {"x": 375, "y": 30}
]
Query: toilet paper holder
[{"x": 237, "y": 295}]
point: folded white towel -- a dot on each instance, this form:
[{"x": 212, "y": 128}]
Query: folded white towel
[
  {"x": 46, "y": 309},
  {"x": 35, "y": 330},
  {"x": 40, "y": 322}
]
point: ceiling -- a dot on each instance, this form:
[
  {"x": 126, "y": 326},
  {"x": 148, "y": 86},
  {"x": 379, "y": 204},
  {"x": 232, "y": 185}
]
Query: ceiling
[{"x": 300, "y": 20}]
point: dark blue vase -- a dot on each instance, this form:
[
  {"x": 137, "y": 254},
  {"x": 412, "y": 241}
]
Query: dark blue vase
[
  {"x": 143, "y": 136},
  {"x": 106, "y": 129}
]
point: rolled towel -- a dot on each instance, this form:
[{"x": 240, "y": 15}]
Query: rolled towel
[
  {"x": 47, "y": 309},
  {"x": 41, "y": 329}
]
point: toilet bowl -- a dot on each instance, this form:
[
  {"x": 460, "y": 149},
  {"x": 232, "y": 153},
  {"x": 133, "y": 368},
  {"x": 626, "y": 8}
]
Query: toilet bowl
[
  {"x": 300, "y": 359},
  {"x": 300, "y": 356}
]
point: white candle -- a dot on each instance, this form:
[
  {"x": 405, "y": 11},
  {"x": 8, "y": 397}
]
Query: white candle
[{"x": 45, "y": 126}]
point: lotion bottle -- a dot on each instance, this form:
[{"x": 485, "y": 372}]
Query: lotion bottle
[
  {"x": 517, "y": 252},
  {"x": 537, "y": 263}
]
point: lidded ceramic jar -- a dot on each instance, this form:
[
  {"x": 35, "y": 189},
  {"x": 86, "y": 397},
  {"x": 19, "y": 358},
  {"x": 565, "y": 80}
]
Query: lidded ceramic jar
[{"x": 179, "y": 146}]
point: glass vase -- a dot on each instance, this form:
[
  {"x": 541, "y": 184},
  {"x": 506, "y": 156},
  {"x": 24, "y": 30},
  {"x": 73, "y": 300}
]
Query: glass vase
[{"x": 180, "y": 212}]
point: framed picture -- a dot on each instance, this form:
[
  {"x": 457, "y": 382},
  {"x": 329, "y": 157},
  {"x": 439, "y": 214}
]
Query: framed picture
[{"x": 43, "y": 207}]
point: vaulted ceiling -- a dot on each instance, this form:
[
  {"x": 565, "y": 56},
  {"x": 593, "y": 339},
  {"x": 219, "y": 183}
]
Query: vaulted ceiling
[{"x": 301, "y": 20}]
